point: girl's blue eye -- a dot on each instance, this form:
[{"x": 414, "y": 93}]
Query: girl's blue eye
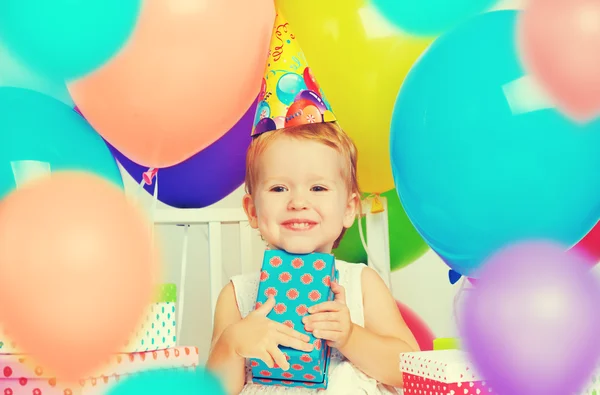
[
  {"x": 278, "y": 189},
  {"x": 318, "y": 188}
]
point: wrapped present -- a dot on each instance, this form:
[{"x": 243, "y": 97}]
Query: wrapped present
[
  {"x": 441, "y": 372},
  {"x": 297, "y": 282},
  {"x": 91, "y": 386},
  {"x": 17, "y": 366},
  {"x": 157, "y": 330},
  {"x": 449, "y": 372}
]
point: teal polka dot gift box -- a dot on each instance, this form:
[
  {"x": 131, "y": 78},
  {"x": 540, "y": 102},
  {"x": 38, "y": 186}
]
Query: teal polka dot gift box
[{"x": 157, "y": 330}]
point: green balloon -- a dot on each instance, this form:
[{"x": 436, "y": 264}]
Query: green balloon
[{"x": 406, "y": 245}]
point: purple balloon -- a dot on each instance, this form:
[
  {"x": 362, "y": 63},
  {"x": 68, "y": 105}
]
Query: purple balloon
[
  {"x": 531, "y": 323},
  {"x": 307, "y": 94},
  {"x": 206, "y": 177}
]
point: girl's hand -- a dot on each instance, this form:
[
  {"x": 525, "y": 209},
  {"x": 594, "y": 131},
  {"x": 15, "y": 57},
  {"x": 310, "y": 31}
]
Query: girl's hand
[
  {"x": 257, "y": 336},
  {"x": 331, "y": 320}
]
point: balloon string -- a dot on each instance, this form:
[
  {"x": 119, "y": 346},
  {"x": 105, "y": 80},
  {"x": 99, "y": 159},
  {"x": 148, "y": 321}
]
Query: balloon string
[
  {"x": 364, "y": 243},
  {"x": 154, "y": 202},
  {"x": 456, "y": 301}
]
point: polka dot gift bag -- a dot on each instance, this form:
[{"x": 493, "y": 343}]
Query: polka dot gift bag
[
  {"x": 441, "y": 372},
  {"x": 297, "y": 282}
]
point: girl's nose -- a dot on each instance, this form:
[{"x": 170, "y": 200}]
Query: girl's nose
[{"x": 297, "y": 203}]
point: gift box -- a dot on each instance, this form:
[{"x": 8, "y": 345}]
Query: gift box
[
  {"x": 92, "y": 386},
  {"x": 441, "y": 372},
  {"x": 297, "y": 282},
  {"x": 17, "y": 366},
  {"x": 157, "y": 330}
]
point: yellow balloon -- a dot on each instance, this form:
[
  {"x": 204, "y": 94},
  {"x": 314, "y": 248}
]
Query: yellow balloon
[{"x": 360, "y": 61}]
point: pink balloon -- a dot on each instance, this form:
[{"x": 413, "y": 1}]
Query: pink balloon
[
  {"x": 559, "y": 44},
  {"x": 77, "y": 270},
  {"x": 423, "y": 335}
]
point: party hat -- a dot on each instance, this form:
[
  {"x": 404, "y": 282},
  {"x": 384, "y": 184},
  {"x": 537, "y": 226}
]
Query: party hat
[{"x": 290, "y": 95}]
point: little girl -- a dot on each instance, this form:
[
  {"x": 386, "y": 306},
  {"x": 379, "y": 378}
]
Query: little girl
[{"x": 302, "y": 195}]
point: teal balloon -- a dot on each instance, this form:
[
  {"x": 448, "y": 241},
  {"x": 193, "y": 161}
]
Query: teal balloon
[
  {"x": 480, "y": 157},
  {"x": 64, "y": 38},
  {"x": 36, "y": 127},
  {"x": 430, "y": 17},
  {"x": 169, "y": 381},
  {"x": 288, "y": 87},
  {"x": 14, "y": 73}
]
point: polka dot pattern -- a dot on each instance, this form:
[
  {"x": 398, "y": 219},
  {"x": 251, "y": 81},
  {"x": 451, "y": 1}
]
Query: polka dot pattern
[
  {"x": 22, "y": 369},
  {"x": 446, "y": 366},
  {"x": 423, "y": 386},
  {"x": 297, "y": 283},
  {"x": 157, "y": 331},
  {"x": 95, "y": 385}
]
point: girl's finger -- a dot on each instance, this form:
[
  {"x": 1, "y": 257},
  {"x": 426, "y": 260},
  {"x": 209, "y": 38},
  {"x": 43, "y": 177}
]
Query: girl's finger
[
  {"x": 286, "y": 330},
  {"x": 325, "y": 306},
  {"x": 325, "y": 325},
  {"x": 266, "y": 358},
  {"x": 288, "y": 341},
  {"x": 278, "y": 357},
  {"x": 325, "y": 316},
  {"x": 325, "y": 334}
]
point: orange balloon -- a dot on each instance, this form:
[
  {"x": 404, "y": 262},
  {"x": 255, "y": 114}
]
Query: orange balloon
[
  {"x": 189, "y": 72},
  {"x": 77, "y": 270}
]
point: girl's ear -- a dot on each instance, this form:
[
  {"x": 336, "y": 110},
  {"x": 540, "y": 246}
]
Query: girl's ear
[
  {"x": 352, "y": 208},
  {"x": 250, "y": 209}
]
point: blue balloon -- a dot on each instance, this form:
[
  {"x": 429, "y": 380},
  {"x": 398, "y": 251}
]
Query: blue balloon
[
  {"x": 480, "y": 158},
  {"x": 35, "y": 127},
  {"x": 430, "y": 17},
  {"x": 66, "y": 38},
  {"x": 263, "y": 111},
  {"x": 288, "y": 87},
  {"x": 169, "y": 381},
  {"x": 13, "y": 73}
]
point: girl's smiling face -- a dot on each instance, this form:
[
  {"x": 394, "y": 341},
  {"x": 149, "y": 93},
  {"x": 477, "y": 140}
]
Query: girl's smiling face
[{"x": 301, "y": 202}]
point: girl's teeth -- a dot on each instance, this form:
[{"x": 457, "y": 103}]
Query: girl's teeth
[{"x": 300, "y": 225}]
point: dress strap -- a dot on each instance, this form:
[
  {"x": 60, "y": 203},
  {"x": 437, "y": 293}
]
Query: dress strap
[
  {"x": 351, "y": 280},
  {"x": 245, "y": 287}
]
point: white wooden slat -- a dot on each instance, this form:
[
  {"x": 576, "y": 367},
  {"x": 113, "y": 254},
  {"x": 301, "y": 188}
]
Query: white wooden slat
[
  {"x": 199, "y": 216},
  {"x": 182, "y": 282},
  {"x": 245, "y": 247},
  {"x": 216, "y": 264}
]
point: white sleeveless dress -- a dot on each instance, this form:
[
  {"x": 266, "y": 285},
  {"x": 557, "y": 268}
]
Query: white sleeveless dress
[{"x": 344, "y": 377}]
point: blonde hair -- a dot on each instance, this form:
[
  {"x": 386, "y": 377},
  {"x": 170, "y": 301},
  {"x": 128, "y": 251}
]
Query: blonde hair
[{"x": 329, "y": 134}]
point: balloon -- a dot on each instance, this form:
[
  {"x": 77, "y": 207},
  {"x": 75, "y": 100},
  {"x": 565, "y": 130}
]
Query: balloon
[
  {"x": 77, "y": 270},
  {"x": 531, "y": 324},
  {"x": 13, "y": 73},
  {"x": 406, "y": 245},
  {"x": 430, "y": 17},
  {"x": 558, "y": 43},
  {"x": 35, "y": 127},
  {"x": 479, "y": 158},
  {"x": 64, "y": 38},
  {"x": 206, "y": 177},
  {"x": 189, "y": 72},
  {"x": 169, "y": 381},
  {"x": 418, "y": 327},
  {"x": 288, "y": 87},
  {"x": 360, "y": 62},
  {"x": 590, "y": 244}
]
